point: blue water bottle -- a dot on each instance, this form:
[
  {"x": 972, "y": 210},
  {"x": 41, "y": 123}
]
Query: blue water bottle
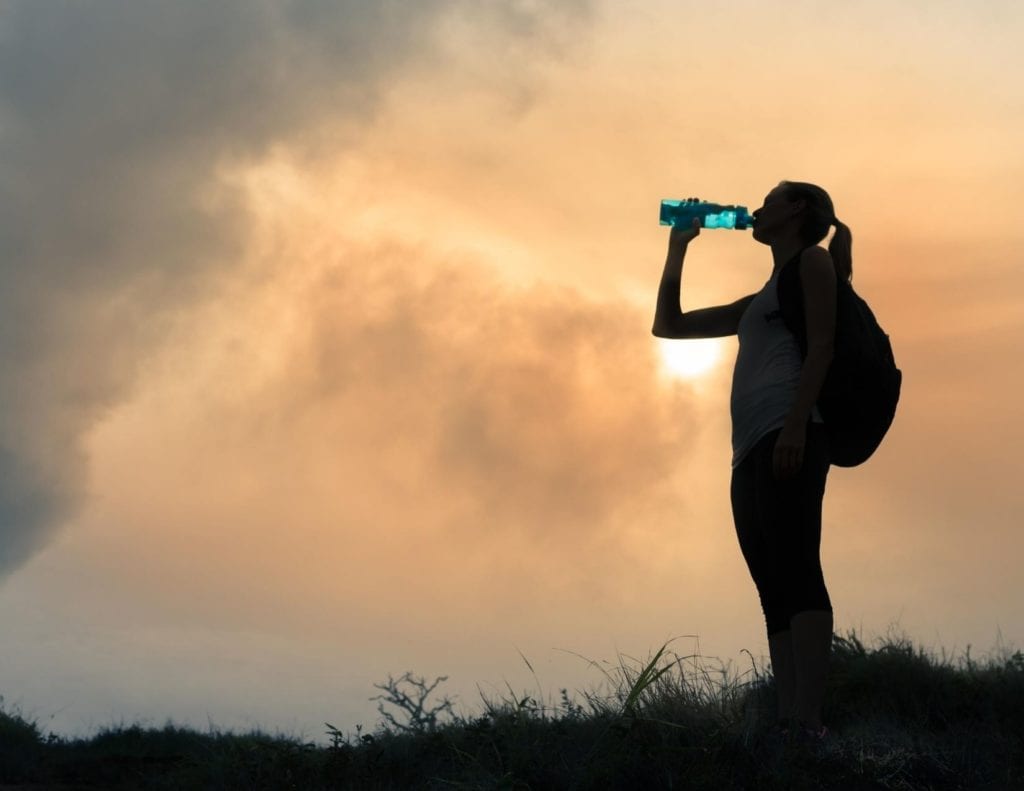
[{"x": 712, "y": 215}]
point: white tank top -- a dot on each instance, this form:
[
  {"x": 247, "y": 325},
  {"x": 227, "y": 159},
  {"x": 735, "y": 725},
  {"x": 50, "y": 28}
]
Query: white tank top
[{"x": 767, "y": 373}]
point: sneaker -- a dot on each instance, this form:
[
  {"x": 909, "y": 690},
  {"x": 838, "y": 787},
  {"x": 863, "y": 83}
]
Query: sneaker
[
  {"x": 817, "y": 733},
  {"x": 810, "y": 736},
  {"x": 784, "y": 726}
]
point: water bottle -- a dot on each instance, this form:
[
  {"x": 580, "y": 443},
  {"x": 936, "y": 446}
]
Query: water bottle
[{"x": 712, "y": 215}]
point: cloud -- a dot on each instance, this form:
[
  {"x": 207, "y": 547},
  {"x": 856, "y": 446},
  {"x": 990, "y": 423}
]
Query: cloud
[
  {"x": 116, "y": 121},
  {"x": 536, "y": 409},
  {"x": 372, "y": 426}
]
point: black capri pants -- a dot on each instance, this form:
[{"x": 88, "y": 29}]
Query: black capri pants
[{"x": 778, "y": 524}]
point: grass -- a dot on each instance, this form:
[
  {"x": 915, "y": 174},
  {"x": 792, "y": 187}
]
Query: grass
[{"x": 901, "y": 719}]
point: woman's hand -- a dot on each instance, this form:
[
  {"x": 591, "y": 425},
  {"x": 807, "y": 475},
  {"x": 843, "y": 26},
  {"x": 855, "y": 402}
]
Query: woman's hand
[
  {"x": 680, "y": 236},
  {"x": 788, "y": 456}
]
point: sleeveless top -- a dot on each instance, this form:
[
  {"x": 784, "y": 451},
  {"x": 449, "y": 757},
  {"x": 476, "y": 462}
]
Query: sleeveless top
[{"x": 767, "y": 373}]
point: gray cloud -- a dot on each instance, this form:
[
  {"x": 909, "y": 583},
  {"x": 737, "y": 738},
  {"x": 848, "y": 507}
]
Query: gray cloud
[{"x": 114, "y": 120}]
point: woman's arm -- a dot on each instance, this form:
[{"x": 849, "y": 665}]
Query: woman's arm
[
  {"x": 669, "y": 319},
  {"x": 818, "y": 280}
]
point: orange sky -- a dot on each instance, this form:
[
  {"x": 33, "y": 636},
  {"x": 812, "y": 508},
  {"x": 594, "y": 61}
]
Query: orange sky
[{"x": 408, "y": 414}]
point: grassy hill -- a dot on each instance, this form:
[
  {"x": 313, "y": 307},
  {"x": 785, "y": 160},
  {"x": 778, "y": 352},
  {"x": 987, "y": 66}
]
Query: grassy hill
[{"x": 900, "y": 719}]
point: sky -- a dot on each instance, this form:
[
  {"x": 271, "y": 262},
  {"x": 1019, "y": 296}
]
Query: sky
[{"x": 326, "y": 338}]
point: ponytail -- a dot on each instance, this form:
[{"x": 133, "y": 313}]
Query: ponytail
[{"x": 841, "y": 250}]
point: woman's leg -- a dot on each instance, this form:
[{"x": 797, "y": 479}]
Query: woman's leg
[
  {"x": 811, "y": 620},
  {"x": 779, "y": 527},
  {"x": 780, "y": 646},
  {"x": 812, "y": 642},
  {"x": 760, "y": 553}
]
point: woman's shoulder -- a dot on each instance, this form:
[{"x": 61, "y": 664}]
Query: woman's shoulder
[
  {"x": 816, "y": 265},
  {"x": 815, "y": 255}
]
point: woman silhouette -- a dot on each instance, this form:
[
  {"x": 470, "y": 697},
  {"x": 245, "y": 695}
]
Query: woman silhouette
[{"x": 780, "y": 450}]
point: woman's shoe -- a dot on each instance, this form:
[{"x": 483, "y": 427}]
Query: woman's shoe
[
  {"x": 816, "y": 733},
  {"x": 811, "y": 736}
]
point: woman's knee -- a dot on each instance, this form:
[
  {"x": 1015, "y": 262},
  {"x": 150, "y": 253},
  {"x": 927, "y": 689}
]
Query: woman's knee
[
  {"x": 777, "y": 622},
  {"x": 808, "y": 593}
]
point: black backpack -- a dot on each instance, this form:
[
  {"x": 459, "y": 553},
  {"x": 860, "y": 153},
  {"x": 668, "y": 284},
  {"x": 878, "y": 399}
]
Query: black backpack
[{"x": 858, "y": 398}]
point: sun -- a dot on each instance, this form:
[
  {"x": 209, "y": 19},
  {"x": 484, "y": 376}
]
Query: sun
[{"x": 689, "y": 359}]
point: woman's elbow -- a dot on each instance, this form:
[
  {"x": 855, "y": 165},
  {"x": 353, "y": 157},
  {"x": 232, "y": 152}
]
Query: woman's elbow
[{"x": 665, "y": 329}]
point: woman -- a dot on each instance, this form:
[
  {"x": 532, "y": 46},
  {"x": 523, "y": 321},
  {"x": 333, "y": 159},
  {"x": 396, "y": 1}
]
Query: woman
[{"x": 780, "y": 451}]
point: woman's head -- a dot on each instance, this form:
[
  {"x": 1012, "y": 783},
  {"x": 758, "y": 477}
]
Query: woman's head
[{"x": 807, "y": 210}]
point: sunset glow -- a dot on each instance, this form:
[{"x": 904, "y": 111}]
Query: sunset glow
[{"x": 689, "y": 359}]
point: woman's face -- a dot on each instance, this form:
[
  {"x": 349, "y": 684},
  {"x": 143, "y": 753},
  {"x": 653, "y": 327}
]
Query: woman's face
[{"x": 774, "y": 216}]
